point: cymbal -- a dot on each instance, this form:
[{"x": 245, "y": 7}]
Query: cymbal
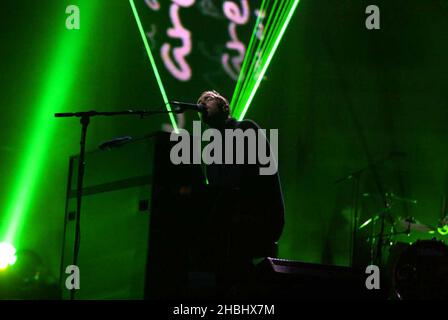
[
  {"x": 391, "y": 197},
  {"x": 411, "y": 225},
  {"x": 442, "y": 228}
]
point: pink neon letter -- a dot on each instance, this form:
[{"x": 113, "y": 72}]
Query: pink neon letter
[
  {"x": 153, "y": 4},
  {"x": 179, "y": 68},
  {"x": 234, "y": 14}
]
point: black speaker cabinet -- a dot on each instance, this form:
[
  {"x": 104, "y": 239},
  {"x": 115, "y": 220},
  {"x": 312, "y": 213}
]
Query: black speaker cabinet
[{"x": 115, "y": 219}]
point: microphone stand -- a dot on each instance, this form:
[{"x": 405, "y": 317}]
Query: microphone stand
[
  {"x": 356, "y": 176},
  {"x": 85, "y": 121}
]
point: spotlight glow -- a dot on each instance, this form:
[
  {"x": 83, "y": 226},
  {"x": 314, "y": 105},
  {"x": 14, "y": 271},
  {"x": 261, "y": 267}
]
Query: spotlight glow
[{"x": 7, "y": 255}]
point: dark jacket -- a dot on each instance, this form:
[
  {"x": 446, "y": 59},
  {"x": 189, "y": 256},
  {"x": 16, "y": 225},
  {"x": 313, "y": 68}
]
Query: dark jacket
[{"x": 248, "y": 209}]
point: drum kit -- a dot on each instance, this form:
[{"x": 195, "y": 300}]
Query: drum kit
[{"x": 414, "y": 270}]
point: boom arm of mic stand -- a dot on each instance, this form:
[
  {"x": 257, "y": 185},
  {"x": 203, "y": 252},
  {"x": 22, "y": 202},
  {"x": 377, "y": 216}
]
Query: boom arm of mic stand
[{"x": 141, "y": 113}]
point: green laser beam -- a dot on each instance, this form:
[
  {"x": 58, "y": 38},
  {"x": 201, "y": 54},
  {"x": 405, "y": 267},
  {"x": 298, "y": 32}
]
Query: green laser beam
[
  {"x": 258, "y": 54},
  {"x": 57, "y": 85},
  {"x": 279, "y": 18},
  {"x": 153, "y": 64},
  {"x": 443, "y": 230},
  {"x": 272, "y": 26},
  {"x": 269, "y": 59},
  {"x": 252, "y": 41},
  {"x": 365, "y": 224}
]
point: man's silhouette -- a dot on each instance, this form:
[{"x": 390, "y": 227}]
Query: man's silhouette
[{"x": 245, "y": 210}]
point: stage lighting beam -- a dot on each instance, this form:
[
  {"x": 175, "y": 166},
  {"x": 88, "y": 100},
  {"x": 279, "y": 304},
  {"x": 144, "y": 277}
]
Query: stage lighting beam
[
  {"x": 57, "y": 84},
  {"x": 278, "y": 21},
  {"x": 153, "y": 64}
]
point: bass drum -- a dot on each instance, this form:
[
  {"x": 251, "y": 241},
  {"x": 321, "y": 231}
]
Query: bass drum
[{"x": 421, "y": 271}]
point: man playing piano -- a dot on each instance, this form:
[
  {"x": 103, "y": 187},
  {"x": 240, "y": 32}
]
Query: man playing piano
[{"x": 246, "y": 210}]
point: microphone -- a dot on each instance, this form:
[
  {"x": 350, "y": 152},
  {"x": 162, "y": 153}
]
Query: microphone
[{"x": 182, "y": 106}]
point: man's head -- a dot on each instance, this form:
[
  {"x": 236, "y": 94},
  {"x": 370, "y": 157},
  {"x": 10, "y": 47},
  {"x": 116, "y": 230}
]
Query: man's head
[{"x": 217, "y": 108}]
